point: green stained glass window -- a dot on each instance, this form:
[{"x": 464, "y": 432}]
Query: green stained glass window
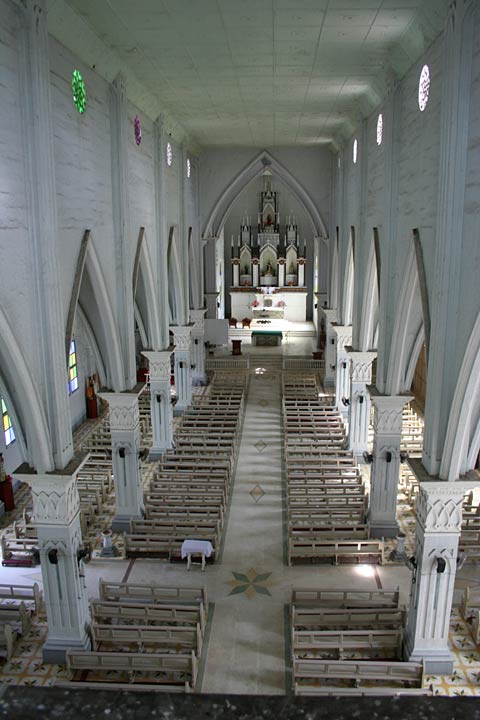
[
  {"x": 7, "y": 425},
  {"x": 72, "y": 368},
  {"x": 78, "y": 91}
]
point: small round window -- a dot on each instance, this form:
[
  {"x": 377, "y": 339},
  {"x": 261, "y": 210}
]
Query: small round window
[
  {"x": 169, "y": 155},
  {"x": 380, "y": 129},
  {"x": 423, "y": 88},
  {"x": 79, "y": 92}
]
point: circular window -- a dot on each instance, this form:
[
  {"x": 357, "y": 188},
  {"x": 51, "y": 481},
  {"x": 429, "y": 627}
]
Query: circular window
[
  {"x": 423, "y": 88},
  {"x": 355, "y": 150},
  {"x": 78, "y": 91},
  {"x": 169, "y": 154},
  {"x": 137, "y": 129},
  {"x": 380, "y": 129},
  {"x": 189, "y": 168}
]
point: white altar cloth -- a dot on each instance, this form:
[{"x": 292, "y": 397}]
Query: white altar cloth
[{"x": 197, "y": 547}]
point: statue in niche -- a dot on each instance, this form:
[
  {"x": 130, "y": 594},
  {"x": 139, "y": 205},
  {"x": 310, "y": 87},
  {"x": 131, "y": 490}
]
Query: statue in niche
[
  {"x": 268, "y": 269},
  {"x": 291, "y": 270}
]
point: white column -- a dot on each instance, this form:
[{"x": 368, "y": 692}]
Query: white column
[
  {"x": 439, "y": 522},
  {"x": 255, "y": 272},
  {"x": 56, "y": 512},
  {"x": 125, "y": 430},
  {"x": 159, "y": 141},
  {"x": 236, "y": 272},
  {"x": 385, "y": 469},
  {"x": 330, "y": 317},
  {"x": 342, "y": 363},
  {"x": 359, "y": 408},
  {"x": 281, "y": 272},
  {"x": 197, "y": 317},
  {"x": 183, "y": 371},
  {"x": 211, "y": 294},
  {"x": 120, "y": 129},
  {"x": 301, "y": 272},
  {"x": 49, "y": 340},
  {"x": 161, "y": 409}
]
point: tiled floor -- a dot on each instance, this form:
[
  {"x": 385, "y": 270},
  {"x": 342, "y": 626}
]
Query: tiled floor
[{"x": 249, "y": 586}]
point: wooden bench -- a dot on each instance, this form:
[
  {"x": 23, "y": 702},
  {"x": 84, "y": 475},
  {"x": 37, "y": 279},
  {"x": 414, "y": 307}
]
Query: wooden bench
[
  {"x": 315, "y": 643},
  {"x": 152, "y": 593},
  {"x": 19, "y": 552},
  {"x": 144, "y": 613},
  {"x": 25, "y": 593},
  {"x": 156, "y": 637},
  {"x": 17, "y": 616},
  {"x": 144, "y": 668},
  {"x": 336, "y": 550},
  {"x": 349, "y": 599},
  {"x": 314, "y": 618}
]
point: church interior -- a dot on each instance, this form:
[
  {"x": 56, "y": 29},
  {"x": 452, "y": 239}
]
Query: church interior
[{"x": 240, "y": 348}]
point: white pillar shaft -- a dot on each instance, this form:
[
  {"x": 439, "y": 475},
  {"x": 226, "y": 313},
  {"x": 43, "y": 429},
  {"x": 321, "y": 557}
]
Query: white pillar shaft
[
  {"x": 56, "y": 513},
  {"x": 198, "y": 359},
  {"x": 162, "y": 230},
  {"x": 330, "y": 348},
  {"x": 125, "y": 432},
  {"x": 359, "y": 408},
  {"x": 385, "y": 469},
  {"x": 255, "y": 270},
  {"x": 236, "y": 274},
  {"x": 439, "y": 522},
  {"x": 281, "y": 274},
  {"x": 183, "y": 379},
  {"x": 160, "y": 401},
  {"x": 43, "y": 231},
  {"x": 120, "y": 129},
  {"x": 342, "y": 382},
  {"x": 301, "y": 274}
]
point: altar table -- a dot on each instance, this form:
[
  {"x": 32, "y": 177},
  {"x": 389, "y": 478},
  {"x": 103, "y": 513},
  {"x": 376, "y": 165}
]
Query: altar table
[{"x": 196, "y": 547}]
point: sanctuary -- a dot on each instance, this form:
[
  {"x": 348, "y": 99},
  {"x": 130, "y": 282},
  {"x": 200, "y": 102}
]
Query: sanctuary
[{"x": 268, "y": 264}]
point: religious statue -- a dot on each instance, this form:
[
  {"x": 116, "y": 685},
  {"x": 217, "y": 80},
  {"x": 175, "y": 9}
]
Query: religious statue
[{"x": 268, "y": 269}]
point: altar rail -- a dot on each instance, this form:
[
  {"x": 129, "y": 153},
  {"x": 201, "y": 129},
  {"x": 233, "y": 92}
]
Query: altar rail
[
  {"x": 227, "y": 363},
  {"x": 293, "y": 363}
]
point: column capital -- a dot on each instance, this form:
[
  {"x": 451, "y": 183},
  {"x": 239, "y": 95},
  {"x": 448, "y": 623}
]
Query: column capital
[
  {"x": 197, "y": 317},
  {"x": 360, "y": 364},
  {"x": 182, "y": 335},
  {"x": 344, "y": 335},
  {"x": 55, "y": 496},
  {"x": 388, "y": 416},
  {"x": 124, "y": 412},
  {"x": 159, "y": 363}
]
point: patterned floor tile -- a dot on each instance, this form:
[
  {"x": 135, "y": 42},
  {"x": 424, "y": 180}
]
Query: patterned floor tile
[{"x": 257, "y": 493}]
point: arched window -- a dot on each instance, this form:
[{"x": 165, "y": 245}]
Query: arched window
[
  {"x": 72, "y": 368},
  {"x": 8, "y": 432}
]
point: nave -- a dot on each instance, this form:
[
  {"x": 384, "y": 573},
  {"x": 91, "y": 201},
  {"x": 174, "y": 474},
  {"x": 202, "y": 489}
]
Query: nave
[{"x": 246, "y": 642}]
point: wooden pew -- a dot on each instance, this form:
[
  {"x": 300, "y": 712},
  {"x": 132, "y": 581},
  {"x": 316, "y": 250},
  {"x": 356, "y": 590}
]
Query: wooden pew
[{"x": 25, "y": 593}]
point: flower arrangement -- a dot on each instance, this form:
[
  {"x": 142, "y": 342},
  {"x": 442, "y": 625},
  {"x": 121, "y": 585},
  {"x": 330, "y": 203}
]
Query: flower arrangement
[
  {"x": 281, "y": 303},
  {"x": 255, "y": 304}
]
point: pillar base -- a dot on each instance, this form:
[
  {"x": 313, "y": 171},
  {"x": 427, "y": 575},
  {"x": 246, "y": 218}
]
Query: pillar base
[
  {"x": 180, "y": 410},
  {"x": 121, "y": 523},
  {"x": 435, "y": 662},
  {"x": 157, "y": 453},
  {"x": 328, "y": 382},
  {"x": 55, "y": 651},
  {"x": 199, "y": 379},
  {"x": 383, "y": 528}
]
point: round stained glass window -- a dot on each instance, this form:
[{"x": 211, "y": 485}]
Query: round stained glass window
[
  {"x": 423, "y": 88},
  {"x": 380, "y": 129},
  {"x": 169, "y": 154},
  {"x": 78, "y": 91},
  {"x": 138, "y": 129},
  {"x": 355, "y": 150},
  {"x": 189, "y": 168}
]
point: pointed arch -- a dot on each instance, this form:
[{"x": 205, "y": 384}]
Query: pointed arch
[
  {"x": 146, "y": 279},
  {"x": 407, "y": 328},
  {"x": 175, "y": 294},
  {"x": 82, "y": 319},
  {"x": 348, "y": 288},
  {"x": 26, "y": 399},
  {"x": 462, "y": 441},
  {"x": 369, "y": 318},
  {"x": 219, "y": 212}
]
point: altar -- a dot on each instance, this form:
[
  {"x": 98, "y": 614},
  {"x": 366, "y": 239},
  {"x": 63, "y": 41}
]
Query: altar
[
  {"x": 268, "y": 265},
  {"x": 267, "y": 338}
]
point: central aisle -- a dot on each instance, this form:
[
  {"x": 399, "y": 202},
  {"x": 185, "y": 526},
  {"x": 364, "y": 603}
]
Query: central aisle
[{"x": 246, "y": 649}]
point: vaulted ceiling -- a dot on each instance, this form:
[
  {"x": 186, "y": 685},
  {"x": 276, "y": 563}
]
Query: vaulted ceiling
[{"x": 252, "y": 72}]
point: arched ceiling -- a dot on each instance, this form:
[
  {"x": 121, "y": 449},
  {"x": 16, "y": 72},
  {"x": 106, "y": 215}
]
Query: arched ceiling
[{"x": 252, "y": 72}]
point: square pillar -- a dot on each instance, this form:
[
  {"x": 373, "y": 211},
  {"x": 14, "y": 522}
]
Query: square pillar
[
  {"x": 385, "y": 469},
  {"x": 236, "y": 272},
  {"x": 161, "y": 409},
  {"x": 281, "y": 272},
  {"x": 301, "y": 271},
  {"x": 183, "y": 371},
  {"x": 197, "y": 317},
  {"x": 439, "y": 522},
  {"x": 359, "y": 408},
  {"x": 125, "y": 430},
  {"x": 330, "y": 317},
  {"x": 56, "y": 512},
  {"x": 343, "y": 334},
  {"x": 255, "y": 272}
]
